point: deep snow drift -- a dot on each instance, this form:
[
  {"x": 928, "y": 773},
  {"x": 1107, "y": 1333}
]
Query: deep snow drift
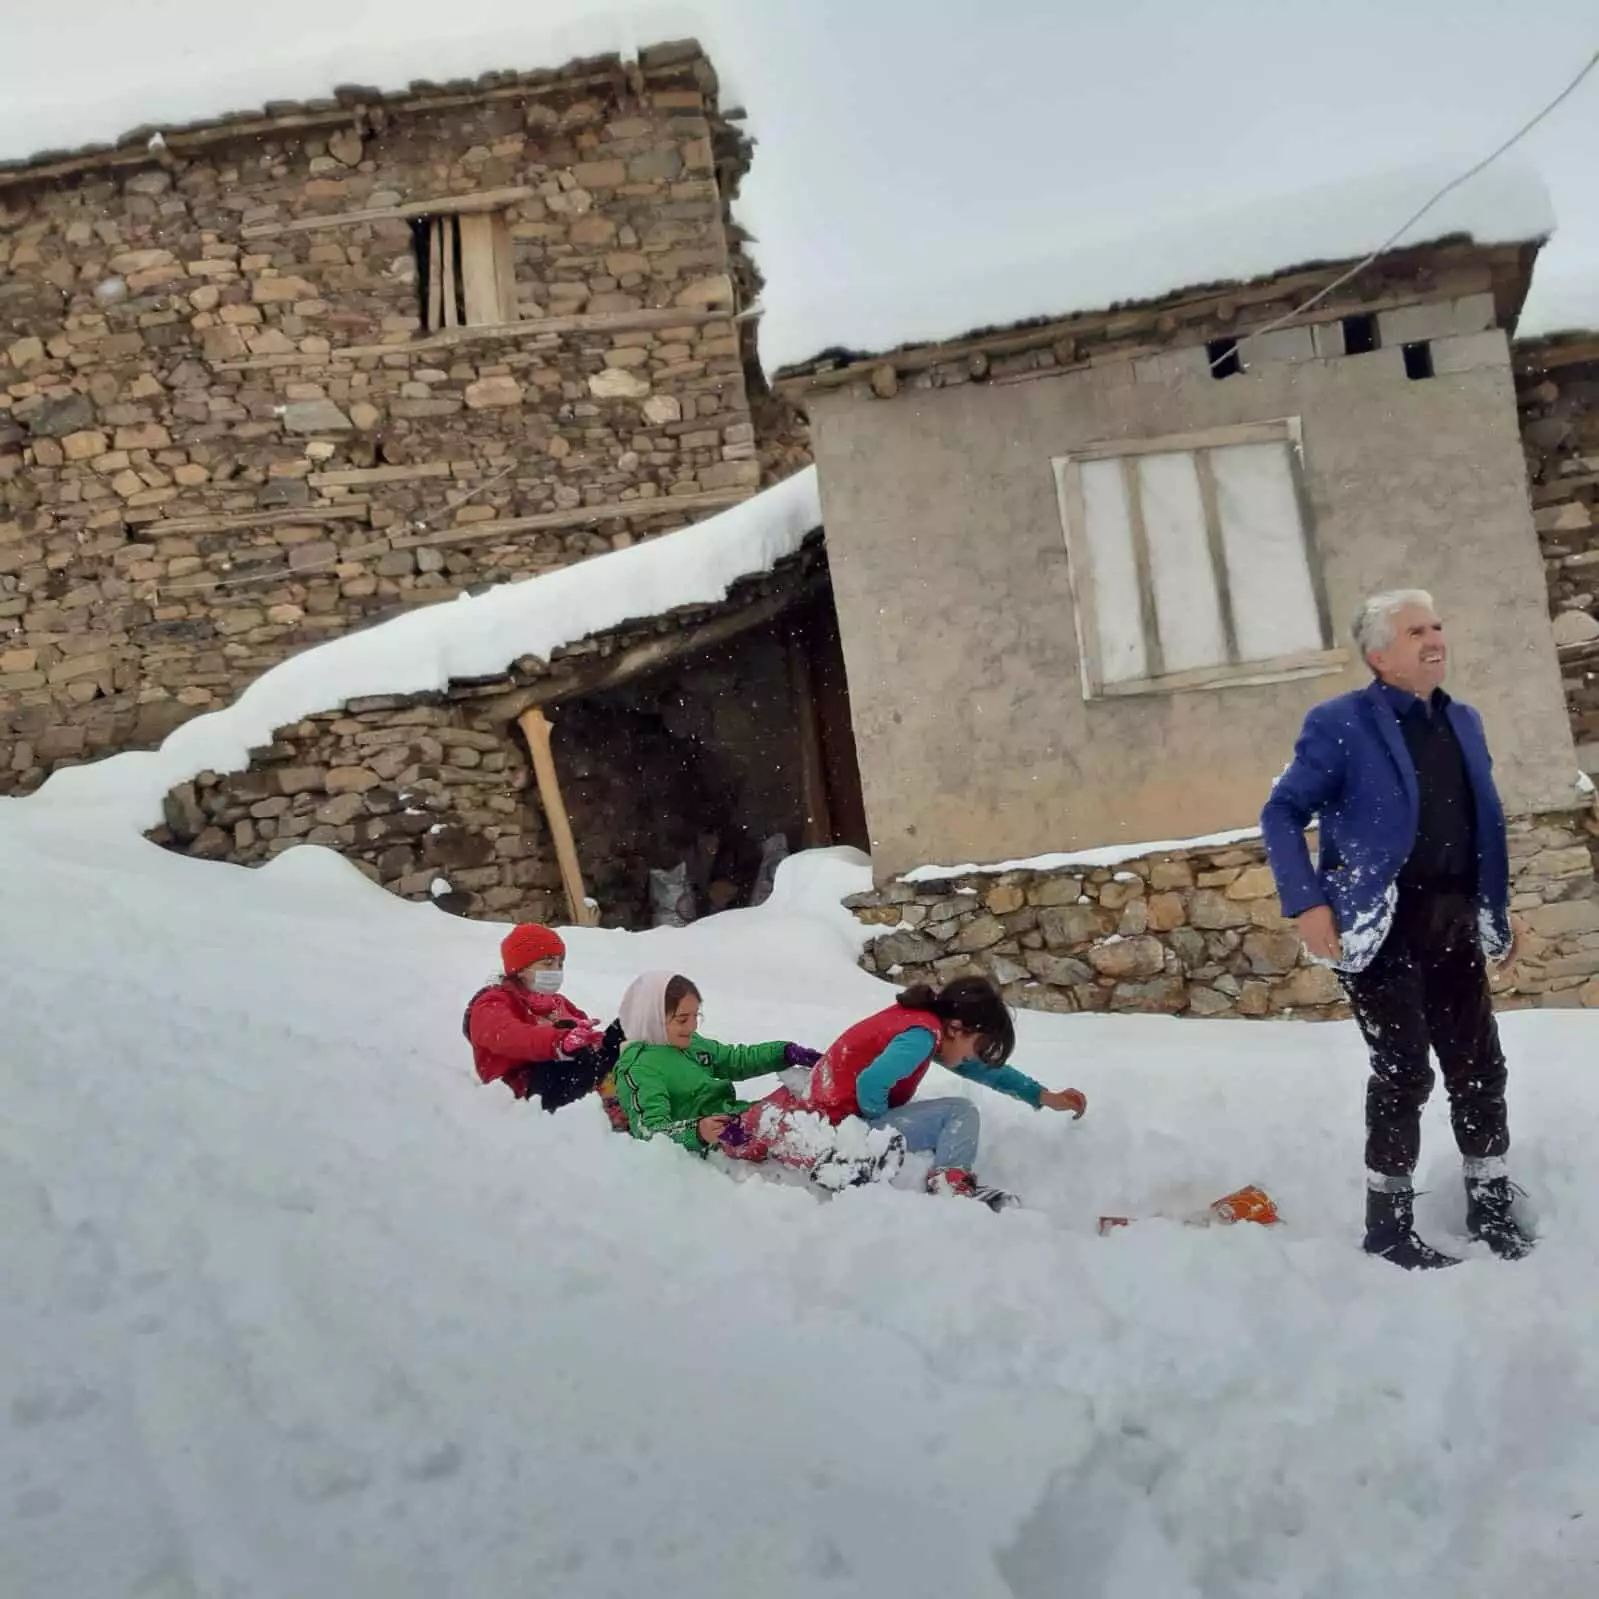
[{"x": 294, "y": 1307}]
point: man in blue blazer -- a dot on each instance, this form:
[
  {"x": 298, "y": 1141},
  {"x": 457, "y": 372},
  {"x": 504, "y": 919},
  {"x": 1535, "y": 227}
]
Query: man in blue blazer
[{"x": 1409, "y": 898}]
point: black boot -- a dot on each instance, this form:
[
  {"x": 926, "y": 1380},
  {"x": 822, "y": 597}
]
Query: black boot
[
  {"x": 1391, "y": 1233},
  {"x": 1490, "y": 1219}
]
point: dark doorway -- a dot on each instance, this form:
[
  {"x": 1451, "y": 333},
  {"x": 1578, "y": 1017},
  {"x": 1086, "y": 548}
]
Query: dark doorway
[{"x": 707, "y": 770}]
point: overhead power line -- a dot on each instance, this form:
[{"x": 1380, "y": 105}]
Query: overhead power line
[{"x": 1410, "y": 221}]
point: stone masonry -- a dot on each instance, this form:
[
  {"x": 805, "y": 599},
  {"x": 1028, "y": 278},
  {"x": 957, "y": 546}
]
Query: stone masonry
[
  {"x": 226, "y": 434},
  {"x": 1199, "y": 931},
  {"x": 1558, "y": 391},
  {"x": 431, "y": 795}
]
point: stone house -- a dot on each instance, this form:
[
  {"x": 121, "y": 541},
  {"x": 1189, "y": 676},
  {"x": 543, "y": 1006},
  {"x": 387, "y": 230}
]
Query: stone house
[
  {"x": 278, "y": 376},
  {"x": 1091, "y": 572},
  {"x": 270, "y": 379}
]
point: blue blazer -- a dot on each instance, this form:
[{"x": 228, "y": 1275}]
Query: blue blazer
[{"x": 1352, "y": 771}]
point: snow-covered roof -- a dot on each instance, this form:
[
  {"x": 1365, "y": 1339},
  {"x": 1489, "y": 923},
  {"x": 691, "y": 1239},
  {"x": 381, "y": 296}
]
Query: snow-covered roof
[
  {"x": 474, "y": 636},
  {"x": 1506, "y": 204},
  {"x": 916, "y": 181}
]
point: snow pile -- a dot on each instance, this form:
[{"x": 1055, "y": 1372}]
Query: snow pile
[
  {"x": 293, "y": 1306},
  {"x": 473, "y": 637},
  {"x": 1506, "y": 204}
]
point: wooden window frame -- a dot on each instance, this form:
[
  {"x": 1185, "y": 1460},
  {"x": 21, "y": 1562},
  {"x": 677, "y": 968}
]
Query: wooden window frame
[
  {"x": 470, "y": 271},
  {"x": 1233, "y": 673}
]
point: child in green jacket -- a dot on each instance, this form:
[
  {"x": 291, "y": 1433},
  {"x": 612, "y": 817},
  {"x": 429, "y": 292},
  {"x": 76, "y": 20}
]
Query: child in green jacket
[{"x": 673, "y": 1082}]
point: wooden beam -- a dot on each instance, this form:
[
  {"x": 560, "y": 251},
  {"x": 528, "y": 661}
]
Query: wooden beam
[
  {"x": 504, "y": 276},
  {"x": 1278, "y": 432},
  {"x": 1280, "y": 669},
  {"x": 352, "y": 510},
  {"x": 813, "y": 765},
  {"x": 480, "y": 271},
  {"x": 1547, "y": 357},
  {"x": 435, "y": 306},
  {"x": 446, "y": 232},
  {"x": 536, "y": 730},
  {"x": 346, "y": 476},
  {"x": 596, "y": 675},
  {"x": 529, "y": 328},
  {"x": 581, "y": 516},
  {"x": 440, "y": 205}
]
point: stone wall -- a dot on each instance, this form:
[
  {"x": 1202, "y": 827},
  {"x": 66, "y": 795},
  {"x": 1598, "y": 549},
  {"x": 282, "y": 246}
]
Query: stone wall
[
  {"x": 1198, "y": 931},
  {"x": 432, "y": 795},
  {"x": 226, "y": 435},
  {"x": 1558, "y": 391}
]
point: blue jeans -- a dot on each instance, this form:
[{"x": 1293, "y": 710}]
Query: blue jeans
[{"x": 946, "y": 1127}]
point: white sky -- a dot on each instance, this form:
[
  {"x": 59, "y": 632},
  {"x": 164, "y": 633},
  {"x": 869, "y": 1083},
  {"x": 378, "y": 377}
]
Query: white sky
[{"x": 913, "y": 142}]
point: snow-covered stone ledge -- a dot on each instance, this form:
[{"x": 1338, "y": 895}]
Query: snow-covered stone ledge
[{"x": 1194, "y": 928}]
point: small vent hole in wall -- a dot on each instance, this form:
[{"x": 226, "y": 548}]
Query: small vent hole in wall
[
  {"x": 1418, "y": 361},
  {"x": 1224, "y": 362},
  {"x": 1360, "y": 335}
]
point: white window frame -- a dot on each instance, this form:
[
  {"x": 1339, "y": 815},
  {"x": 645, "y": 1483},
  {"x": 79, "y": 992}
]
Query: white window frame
[{"x": 1233, "y": 673}]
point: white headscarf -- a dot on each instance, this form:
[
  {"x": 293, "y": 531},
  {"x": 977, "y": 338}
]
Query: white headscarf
[{"x": 643, "y": 1008}]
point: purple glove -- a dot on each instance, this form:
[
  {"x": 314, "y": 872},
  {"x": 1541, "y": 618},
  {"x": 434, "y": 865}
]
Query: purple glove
[{"x": 799, "y": 1055}]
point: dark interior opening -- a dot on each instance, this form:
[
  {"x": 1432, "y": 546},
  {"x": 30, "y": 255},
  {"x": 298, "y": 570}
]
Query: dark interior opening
[
  {"x": 1360, "y": 334},
  {"x": 1224, "y": 362},
  {"x": 1418, "y": 361},
  {"x": 685, "y": 785},
  {"x": 422, "y": 229}
]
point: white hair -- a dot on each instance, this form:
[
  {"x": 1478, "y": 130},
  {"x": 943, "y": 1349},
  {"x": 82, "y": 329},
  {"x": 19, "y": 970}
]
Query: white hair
[{"x": 1373, "y": 627}]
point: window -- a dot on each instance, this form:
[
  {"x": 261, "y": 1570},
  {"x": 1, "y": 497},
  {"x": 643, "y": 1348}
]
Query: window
[
  {"x": 1418, "y": 361},
  {"x": 1192, "y": 564},
  {"x": 464, "y": 269},
  {"x": 1223, "y": 356},
  {"x": 1361, "y": 334}
]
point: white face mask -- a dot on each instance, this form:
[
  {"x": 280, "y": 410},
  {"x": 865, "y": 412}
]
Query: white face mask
[{"x": 547, "y": 980}]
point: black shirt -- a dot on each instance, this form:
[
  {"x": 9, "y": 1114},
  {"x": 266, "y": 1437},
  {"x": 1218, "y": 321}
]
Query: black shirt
[{"x": 1444, "y": 857}]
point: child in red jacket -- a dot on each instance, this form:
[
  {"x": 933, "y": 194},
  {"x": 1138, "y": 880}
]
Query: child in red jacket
[{"x": 529, "y": 1036}]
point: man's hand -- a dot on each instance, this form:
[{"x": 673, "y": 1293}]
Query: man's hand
[
  {"x": 1065, "y": 1099},
  {"x": 1318, "y": 931},
  {"x": 711, "y": 1128},
  {"x": 1518, "y": 944}
]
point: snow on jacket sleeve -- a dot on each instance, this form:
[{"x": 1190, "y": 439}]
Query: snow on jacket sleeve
[
  {"x": 905, "y": 1053},
  {"x": 647, "y": 1104},
  {"x": 1310, "y": 781},
  {"x": 732, "y": 1063},
  {"x": 1003, "y": 1080},
  {"x": 494, "y": 1026}
]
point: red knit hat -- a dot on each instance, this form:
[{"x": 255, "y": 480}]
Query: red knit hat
[{"x": 528, "y": 943}]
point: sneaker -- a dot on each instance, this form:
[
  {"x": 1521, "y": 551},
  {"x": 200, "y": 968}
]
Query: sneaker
[
  {"x": 952, "y": 1180},
  {"x": 1490, "y": 1217}
]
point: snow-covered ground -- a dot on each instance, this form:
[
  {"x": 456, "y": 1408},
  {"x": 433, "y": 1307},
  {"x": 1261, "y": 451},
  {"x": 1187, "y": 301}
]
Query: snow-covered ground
[{"x": 293, "y": 1306}]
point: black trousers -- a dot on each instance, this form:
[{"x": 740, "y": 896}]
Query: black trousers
[
  {"x": 564, "y": 1081},
  {"x": 1428, "y": 986}
]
